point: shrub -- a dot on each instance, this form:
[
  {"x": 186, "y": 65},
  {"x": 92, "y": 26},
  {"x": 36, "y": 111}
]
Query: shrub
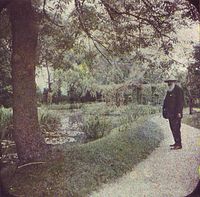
[
  {"x": 133, "y": 112},
  {"x": 118, "y": 117},
  {"x": 95, "y": 127}
]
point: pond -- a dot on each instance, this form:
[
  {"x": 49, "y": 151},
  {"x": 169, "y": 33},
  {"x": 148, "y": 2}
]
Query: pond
[{"x": 69, "y": 131}]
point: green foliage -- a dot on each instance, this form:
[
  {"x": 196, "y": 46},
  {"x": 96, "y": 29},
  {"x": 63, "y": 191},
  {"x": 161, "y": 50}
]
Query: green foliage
[
  {"x": 124, "y": 93},
  {"x": 133, "y": 112},
  {"x": 96, "y": 127},
  {"x": 122, "y": 118},
  {"x": 194, "y": 74},
  {"x": 5, "y": 123},
  {"x": 65, "y": 106},
  {"x": 153, "y": 93},
  {"x": 79, "y": 170},
  {"x": 192, "y": 120},
  {"x": 77, "y": 81},
  {"x": 108, "y": 74},
  {"x": 108, "y": 43},
  {"x": 99, "y": 108},
  {"x": 49, "y": 121},
  {"x": 5, "y": 68},
  {"x": 5, "y": 84},
  {"x": 136, "y": 111}
]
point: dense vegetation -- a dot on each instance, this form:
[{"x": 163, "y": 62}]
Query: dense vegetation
[
  {"x": 79, "y": 170},
  {"x": 126, "y": 137},
  {"x": 193, "y": 120},
  {"x": 91, "y": 50}
]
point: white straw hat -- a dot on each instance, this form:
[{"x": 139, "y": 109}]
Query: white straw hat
[{"x": 171, "y": 79}]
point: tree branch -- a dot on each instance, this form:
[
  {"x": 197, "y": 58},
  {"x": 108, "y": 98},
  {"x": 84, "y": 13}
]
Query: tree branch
[
  {"x": 48, "y": 17},
  {"x": 4, "y": 4},
  {"x": 32, "y": 163},
  {"x": 196, "y": 4},
  {"x": 111, "y": 10},
  {"x": 78, "y": 6},
  {"x": 101, "y": 53}
]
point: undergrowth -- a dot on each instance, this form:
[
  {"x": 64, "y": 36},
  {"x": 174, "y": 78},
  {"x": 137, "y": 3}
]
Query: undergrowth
[{"x": 78, "y": 170}]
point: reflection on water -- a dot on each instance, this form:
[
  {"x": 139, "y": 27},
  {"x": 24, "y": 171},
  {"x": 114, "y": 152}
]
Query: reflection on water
[{"x": 69, "y": 131}]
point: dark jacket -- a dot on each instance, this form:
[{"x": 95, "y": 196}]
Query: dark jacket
[{"x": 173, "y": 103}]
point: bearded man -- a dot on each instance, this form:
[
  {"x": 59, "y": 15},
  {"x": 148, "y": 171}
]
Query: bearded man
[{"x": 173, "y": 110}]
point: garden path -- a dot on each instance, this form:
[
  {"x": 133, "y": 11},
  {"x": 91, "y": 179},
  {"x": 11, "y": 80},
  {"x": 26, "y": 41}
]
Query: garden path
[{"x": 165, "y": 172}]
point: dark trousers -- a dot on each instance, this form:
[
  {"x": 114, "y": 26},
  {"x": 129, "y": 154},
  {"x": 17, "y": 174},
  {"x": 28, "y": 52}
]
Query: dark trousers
[{"x": 175, "y": 125}]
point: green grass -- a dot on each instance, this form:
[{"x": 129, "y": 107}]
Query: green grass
[
  {"x": 103, "y": 109},
  {"x": 78, "y": 170},
  {"x": 64, "y": 106},
  {"x": 101, "y": 119},
  {"x": 192, "y": 120}
]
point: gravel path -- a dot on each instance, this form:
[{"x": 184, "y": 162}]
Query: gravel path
[{"x": 165, "y": 173}]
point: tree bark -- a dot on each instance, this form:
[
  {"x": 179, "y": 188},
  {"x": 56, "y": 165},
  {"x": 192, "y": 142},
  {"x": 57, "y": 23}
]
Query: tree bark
[{"x": 27, "y": 135}]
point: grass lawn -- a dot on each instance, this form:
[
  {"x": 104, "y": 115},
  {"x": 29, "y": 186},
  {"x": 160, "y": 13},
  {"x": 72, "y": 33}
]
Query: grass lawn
[
  {"x": 78, "y": 170},
  {"x": 193, "y": 120}
]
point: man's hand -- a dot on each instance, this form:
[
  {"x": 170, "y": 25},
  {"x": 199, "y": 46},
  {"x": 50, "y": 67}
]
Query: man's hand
[{"x": 179, "y": 115}]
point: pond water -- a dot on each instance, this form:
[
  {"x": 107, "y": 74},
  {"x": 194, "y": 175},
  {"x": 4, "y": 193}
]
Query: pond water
[{"x": 69, "y": 131}]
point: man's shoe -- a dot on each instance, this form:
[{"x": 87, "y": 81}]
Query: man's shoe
[
  {"x": 176, "y": 147},
  {"x": 172, "y": 145}
]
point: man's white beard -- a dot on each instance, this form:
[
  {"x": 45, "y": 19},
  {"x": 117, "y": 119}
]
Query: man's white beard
[{"x": 170, "y": 88}]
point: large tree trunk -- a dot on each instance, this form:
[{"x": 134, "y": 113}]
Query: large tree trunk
[{"x": 27, "y": 135}]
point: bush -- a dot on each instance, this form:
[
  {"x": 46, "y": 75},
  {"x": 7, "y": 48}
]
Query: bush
[
  {"x": 118, "y": 117},
  {"x": 96, "y": 127},
  {"x": 133, "y": 112},
  {"x": 153, "y": 94}
]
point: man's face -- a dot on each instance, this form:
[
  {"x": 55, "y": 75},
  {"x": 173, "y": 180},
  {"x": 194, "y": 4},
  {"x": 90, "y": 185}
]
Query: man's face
[{"x": 170, "y": 83}]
